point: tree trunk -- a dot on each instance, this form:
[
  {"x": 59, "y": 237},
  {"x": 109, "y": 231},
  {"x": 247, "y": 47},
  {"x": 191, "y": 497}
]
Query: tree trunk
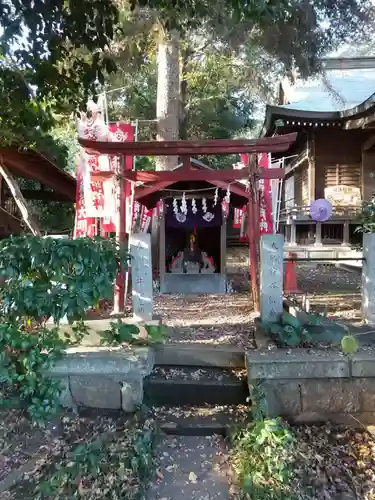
[
  {"x": 184, "y": 95},
  {"x": 168, "y": 95},
  {"x": 22, "y": 205}
]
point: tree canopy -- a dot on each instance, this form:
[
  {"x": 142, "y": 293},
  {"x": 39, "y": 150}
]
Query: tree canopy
[
  {"x": 295, "y": 33},
  {"x": 54, "y": 54}
]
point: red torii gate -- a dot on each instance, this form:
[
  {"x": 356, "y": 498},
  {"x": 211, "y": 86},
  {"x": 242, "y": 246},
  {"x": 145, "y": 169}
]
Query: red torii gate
[{"x": 187, "y": 149}]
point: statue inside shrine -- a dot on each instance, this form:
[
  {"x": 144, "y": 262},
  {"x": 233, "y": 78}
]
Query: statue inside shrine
[{"x": 192, "y": 260}]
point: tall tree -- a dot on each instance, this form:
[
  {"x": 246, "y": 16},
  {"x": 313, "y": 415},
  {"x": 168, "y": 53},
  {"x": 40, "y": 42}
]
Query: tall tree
[
  {"x": 293, "y": 34},
  {"x": 168, "y": 93}
]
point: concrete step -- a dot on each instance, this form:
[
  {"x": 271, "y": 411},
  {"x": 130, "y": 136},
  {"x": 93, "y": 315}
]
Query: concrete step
[
  {"x": 186, "y": 385},
  {"x": 200, "y": 355},
  {"x": 204, "y": 420}
]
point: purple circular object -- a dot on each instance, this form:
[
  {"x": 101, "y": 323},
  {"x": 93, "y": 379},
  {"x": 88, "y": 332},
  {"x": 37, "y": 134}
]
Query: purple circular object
[{"x": 320, "y": 210}]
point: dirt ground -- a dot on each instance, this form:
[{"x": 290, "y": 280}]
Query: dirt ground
[
  {"x": 330, "y": 289},
  {"x": 30, "y": 456},
  {"x": 229, "y": 319},
  {"x": 208, "y": 319}
]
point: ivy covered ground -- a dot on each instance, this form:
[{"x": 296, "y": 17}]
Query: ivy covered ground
[
  {"x": 92, "y": 458},
  {"x": 274, "y": 461}
]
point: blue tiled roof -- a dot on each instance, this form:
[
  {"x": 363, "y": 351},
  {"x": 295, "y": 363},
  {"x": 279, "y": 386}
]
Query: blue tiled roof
[{"x": 349, "y": 88}]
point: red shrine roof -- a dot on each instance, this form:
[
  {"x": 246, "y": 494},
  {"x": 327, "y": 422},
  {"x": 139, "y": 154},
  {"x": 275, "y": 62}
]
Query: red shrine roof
[
  {"x": 275, "y": 144},
  {"x": 149, "y": 195},
  {"x": 32, "y": 165},
  {"x": 157, "y": 181}
]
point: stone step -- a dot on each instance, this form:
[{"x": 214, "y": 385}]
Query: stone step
[
  {"x": 199, "y": 355},
  {"x": 184, "y": 385},
  {"x": 200, "y": 420}
]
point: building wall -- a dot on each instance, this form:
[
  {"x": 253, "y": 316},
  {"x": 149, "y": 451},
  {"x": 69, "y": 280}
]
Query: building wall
[
  {"x": 368, "y": 172},
  {"x": 338, "y": 158}
]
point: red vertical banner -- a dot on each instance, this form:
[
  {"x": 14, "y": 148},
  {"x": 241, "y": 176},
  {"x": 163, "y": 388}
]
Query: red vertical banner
[
  {"x": 225, "y": 208},
  {"x": 135, "y": 213},
  {"x": 160, "y": 208},
  {"x": 265, "y": 200},
  {"x": 83, "y": 226},
  {"x": 146, "y": 218},
  {"x": 237, "y": 218},
  {"x": 243, "y": 232},
  {"x": 122, "y": 132}
]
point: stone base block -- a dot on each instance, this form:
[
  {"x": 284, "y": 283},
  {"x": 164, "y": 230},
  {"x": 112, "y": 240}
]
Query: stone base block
[
  {"x": 103, "y": 378},
  {"x": 66, "y": 398},
  {"x": 283, "y": 397},
  {"x": 308, "y": 386},
  {"x": 296, "y": 364},
  {"x": 330, "y": 395},
  {"x": 96, "y": 392},
  {"x": 131, "y": 395}
]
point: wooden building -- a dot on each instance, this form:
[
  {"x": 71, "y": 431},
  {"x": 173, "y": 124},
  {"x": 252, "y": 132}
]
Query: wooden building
[
  {"x": 52, "y": 184},
  {"x": 334, "y": 155}
]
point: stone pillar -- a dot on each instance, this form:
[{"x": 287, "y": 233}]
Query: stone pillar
[
  {"x": 141, "y": 268},
  {"x": 223, "y": 247},
  {"x": 271, "y": 276},
  {"x": 368, "y": 279},
  {"x": 346, "y": 234},
  {"x": 293, "y": 234},
  {"x": 287, "y": 234},
  {"x": 318, "y": 234}
]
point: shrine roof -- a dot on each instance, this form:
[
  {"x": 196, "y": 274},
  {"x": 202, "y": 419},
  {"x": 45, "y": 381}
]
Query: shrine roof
[
  {"x": 32, "y": 165},
  {"x": 341, "y": 97},
  {"x": 336, "y": 90},
  {"x": 149, "y": 195},
  {"x": 191, "y": 148}
]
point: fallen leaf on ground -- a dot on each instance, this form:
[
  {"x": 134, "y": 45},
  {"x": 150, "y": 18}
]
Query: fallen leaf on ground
[{"x": 192, "y": 477}]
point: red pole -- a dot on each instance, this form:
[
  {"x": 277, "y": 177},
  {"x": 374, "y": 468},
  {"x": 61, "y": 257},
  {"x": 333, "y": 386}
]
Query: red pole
[
  {"x": 253, "y": 234},
  {"x": 119, "y": 295}
]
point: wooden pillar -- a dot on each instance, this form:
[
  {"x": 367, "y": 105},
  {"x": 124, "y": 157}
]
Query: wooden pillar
[
  {"x": 311, "y": 171},
  {"x": 253, "y": 231},
  {"x": 155, "y": 236},
  {"x": 119, "y": 296}
]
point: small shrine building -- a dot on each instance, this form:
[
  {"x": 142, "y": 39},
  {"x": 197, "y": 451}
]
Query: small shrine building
[{"x": 191, "y": 244}]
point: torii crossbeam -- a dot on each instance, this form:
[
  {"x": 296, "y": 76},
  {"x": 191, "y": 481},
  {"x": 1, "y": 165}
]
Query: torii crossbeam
[{"x": 187, "y": 149}]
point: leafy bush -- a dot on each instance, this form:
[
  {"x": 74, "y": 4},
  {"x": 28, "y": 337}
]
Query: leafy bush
[
  {"x": 366, "y": 219},
  {"x": 261, "y": 457},
  {"x": 262, "y": 453},
  {"x": 125, "y": 333},
  {"x": 47, "y": 277},
  {"x": 24, "y": 358},
  {"x": 291, "y": 332},
  {"x": 44, "y": 278}
]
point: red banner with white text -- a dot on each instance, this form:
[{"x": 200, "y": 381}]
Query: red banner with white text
[
  {"x": 100, "y": 197},
  {"x": 83, "y": 226}
]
